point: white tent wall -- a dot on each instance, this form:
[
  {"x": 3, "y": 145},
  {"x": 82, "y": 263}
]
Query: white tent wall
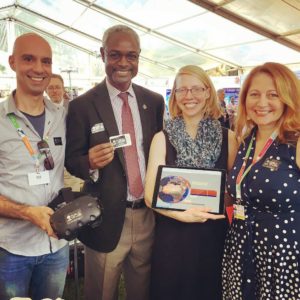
[{"x": 222, "y": 36}]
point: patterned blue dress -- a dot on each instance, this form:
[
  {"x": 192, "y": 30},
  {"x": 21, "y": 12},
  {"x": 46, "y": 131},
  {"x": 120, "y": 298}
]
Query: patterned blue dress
[{"x": 261, "y": 256}]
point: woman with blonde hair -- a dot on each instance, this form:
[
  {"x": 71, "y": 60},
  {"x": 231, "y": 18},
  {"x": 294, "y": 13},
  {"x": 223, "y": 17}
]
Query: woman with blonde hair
[
  {"x": 262, "y": 250},
  {"x": 188, "y": 244}
]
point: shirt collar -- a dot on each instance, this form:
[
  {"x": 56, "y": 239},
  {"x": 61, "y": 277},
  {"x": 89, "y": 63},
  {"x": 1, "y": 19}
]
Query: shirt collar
[
  {"x": 10, "y": 104},
  {"x": 113, "y": 92}
]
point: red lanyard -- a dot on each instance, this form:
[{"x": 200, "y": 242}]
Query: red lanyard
[{"x": 242, "y": 173}]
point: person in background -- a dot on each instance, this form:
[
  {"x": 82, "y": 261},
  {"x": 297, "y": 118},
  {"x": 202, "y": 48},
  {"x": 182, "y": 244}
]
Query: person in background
[
  {"x": 115, "y": 107},
  {"x": 261, "y": 257},
  {"x": 231, "y": 109},
  {"x": 56, "y": 90},
  {"x": 188, "y": 246},
  {"x": 33, "y": 262},
  {"x": 224, "y": 118},
  {"x": 56, "y": 93}
]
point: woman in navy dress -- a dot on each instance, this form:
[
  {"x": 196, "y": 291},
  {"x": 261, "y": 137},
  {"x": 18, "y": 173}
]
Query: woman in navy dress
[
  {"x": 188, "y": 245},
  {"x": 262, "y": 250}
]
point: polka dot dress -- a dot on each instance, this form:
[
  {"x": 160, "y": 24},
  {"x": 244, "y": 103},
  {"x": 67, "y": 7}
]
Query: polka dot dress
[{"x": 261, "y": 256}]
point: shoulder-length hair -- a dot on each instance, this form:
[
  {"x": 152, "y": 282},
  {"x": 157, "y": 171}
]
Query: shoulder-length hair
[
  {"x": 211, "y": 108},
  {"x": 288, "y": 88}
]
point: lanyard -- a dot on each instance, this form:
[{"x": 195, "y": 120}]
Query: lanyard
[
  {"x": 26, "y": 141},
  {"x": 242, "y": 173}
]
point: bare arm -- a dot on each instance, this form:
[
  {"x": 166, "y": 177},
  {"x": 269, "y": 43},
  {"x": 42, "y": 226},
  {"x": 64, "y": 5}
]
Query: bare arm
[
  {"x": 157, "y": 157},
  {"x": 37, "y": 215},
  {"x": 232, "y": 149}
]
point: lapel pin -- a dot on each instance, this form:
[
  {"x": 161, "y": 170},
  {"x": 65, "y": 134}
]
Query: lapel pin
[{"x": 144, "y": 106}]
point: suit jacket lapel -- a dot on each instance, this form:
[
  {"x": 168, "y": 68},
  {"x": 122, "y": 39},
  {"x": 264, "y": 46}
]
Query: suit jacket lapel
[
  {"x": 102, "y": 104},
  {"x": 144, "y": 115}
]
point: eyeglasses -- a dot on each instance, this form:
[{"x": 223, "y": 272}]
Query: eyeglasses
[
  {"x": 45, "y": 150},
  {"x": 195, "y": 90},
  {"x": 54, "y": 87},
  {"x": 116, "y": 56}
]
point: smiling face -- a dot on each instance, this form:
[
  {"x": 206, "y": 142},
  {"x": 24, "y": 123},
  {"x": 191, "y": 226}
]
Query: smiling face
[
  {"x": 263, "y": 105},
  {"x": 55, "y": 90},
  {"x": 32, "y": 62},
  {"x": 191, "y": 102},
  {"x": 121, "y": 58}
]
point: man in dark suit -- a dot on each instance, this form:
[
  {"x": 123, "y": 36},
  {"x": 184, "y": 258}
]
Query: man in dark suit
[{"x": 123, "y": 242}]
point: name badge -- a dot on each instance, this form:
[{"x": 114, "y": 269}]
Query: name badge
[
  {"x": 272, "y": 164},
  {"x": 57, "y": 141},
  {"x": 99, "y": 127},
  {"x": 38, "y": 178},
  {"x": 239, "y": 211}
]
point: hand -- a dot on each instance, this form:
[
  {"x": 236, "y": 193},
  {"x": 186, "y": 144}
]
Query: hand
[
  {"x": 199, "y": 214},
  {"x": 101, "y": 155},
  {"x": 40, "y": 216}
]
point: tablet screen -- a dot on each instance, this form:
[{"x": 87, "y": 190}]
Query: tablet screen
[{"x": 179, "y": 188}]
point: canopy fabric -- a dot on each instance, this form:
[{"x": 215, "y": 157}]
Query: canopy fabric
[{"x": 222, "y": 36}]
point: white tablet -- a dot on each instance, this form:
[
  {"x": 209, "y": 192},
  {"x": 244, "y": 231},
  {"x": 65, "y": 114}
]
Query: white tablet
[{"x": 180, "y": 188}]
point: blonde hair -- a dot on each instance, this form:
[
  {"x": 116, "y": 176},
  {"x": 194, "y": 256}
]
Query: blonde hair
[
  {"x": 211, "y": 108},
  {"x": 288, "y": 88}
]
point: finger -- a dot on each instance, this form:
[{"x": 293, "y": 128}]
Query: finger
[
  {"x": 204, "y": 209},
  {"x": 203, "y": 220},
  {"x": 44, "y": 228},
  {"x": 49, "y": 211},
  {"x": 50, "y": 231},
  {"x": 103, "y": 160},
  {"x": 53, "y": 235},
  {"x": 101, "y": 147},
  {"x": 213, "y": 216},
  {"x": 99, "y": 161},
  {"x": 102, "y": 156},
  {"x": 207, "y": 215},
  {"x": 220, "y": 216}
]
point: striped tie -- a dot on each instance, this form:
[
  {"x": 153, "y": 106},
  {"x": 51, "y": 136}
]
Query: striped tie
[{"x": 131, "y": 156}]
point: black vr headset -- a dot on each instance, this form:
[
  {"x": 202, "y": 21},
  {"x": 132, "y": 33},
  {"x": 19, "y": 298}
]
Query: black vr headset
[{"x": 72, "y": 211}]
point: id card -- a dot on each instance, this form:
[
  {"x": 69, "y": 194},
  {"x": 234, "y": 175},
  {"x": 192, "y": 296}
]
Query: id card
[
  {"x": 239, "y": 211},
  {"x": 119, "y": 141},
  {"x": 38, "y": 178}
]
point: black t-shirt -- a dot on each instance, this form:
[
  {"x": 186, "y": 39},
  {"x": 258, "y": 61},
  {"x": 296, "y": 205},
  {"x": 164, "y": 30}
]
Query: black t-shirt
[{"x": 38, "y": 122}]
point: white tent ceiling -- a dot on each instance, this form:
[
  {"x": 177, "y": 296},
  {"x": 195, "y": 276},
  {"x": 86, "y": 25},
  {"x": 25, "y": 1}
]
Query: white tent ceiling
[{"x": 219, "y": 35}]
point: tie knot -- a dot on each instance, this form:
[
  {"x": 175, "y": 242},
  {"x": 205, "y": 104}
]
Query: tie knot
[{"x": 124, "y": 96}]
